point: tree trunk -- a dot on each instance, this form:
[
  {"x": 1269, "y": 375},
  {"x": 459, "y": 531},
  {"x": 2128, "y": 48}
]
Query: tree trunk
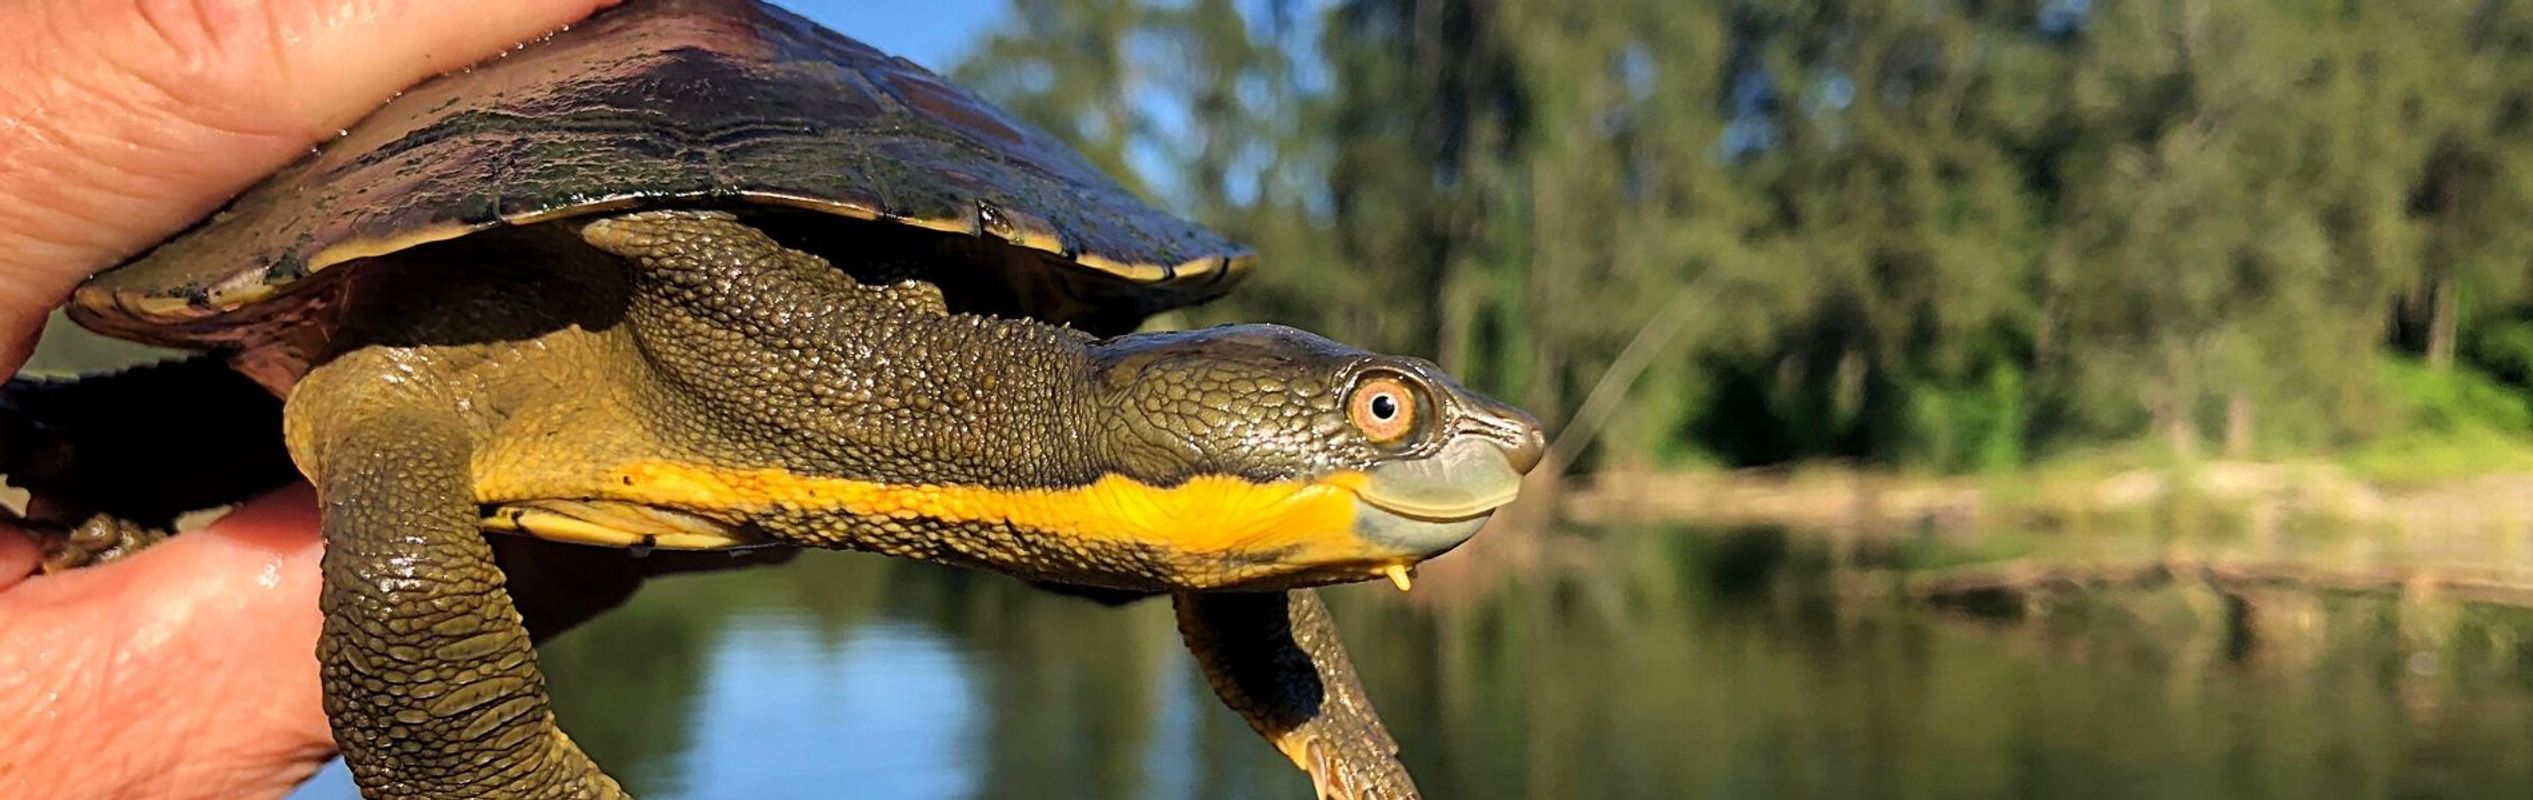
[
  {"x": 1459, "y": 314},
  {"x": 2445, "y": 299},
  {"x": 2238, "y": 425},
  {"x": 2171, "y": 414},
  {"x": 2177, "y": 430},
  {"x": 1847, "y": 393}
]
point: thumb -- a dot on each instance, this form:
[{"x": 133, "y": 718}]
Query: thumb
[
  {"x": 122, "y": 121},
  {"x": 193, "y": 662}
]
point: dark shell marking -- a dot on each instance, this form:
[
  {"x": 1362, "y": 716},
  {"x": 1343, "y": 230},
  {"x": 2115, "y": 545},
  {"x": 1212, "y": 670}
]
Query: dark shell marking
[{"x": 668, "y": 102}]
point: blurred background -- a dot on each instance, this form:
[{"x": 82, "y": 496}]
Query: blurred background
[{"x": 1954, "y": 399}]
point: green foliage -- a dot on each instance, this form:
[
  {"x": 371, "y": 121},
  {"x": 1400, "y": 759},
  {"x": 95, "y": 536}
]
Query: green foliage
[
  {"x": 2450, "y": 424},
  {"x": 2504, "y": 349},
  {"x": 2455, "y": 402},
  {"x": 1956, "y": 236},
  {"x": 1973, "y": 428}
]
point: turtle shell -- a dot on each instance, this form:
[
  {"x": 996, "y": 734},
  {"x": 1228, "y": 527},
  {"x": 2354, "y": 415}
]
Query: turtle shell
[{"x": 674, "y": 102}]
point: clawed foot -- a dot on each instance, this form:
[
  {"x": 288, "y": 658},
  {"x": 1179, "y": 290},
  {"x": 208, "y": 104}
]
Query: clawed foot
[
  {"x": 99, "y": 540},
  {"x": 1336, "y": 774},
  {"x": 1274, "y": 657}
]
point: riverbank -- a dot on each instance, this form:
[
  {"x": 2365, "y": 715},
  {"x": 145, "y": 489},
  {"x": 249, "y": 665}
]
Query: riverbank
[
  {"x": 1833, "y": 496},
  {"x": 2276, "y": 512}
]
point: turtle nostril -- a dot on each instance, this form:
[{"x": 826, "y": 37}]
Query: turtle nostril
[
  {"x": 1513, "y": 431},
  {"x": 1525, "y": 452}
]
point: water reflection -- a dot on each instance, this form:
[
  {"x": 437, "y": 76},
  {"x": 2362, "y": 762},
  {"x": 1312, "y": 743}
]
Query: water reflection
[
  {"x": 890, "y": 704},
  {"x": 1662, "y": 664}
]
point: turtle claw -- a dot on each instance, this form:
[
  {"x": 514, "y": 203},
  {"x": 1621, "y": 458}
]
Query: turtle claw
[
  {"x": 101, "y": 539},
  {"x": 1334, "y": 775},
  {"x": 1328, "y": 779},
  {"x": 1329, "y": 776}
]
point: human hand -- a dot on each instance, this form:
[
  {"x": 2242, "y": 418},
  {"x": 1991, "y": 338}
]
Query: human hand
[{"x": 189, "y": 669}]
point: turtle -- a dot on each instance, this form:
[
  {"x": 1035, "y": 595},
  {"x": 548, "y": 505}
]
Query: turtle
[{"x": 703, "y": 275}]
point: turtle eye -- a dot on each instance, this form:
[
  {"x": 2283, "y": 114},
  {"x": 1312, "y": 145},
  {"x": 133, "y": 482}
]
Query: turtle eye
[{"x": 1383, "y": 408}]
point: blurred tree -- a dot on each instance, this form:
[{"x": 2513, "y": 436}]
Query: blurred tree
[
  {"x": 1950, "y": 235},
  {"x": 1070, "y": 67},
  {"x": 1898, "y": 188},
  {"x": 2474, "y": 188}
]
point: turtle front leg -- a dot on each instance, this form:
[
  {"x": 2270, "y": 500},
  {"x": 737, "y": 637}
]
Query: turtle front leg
[
  {"x": 431, "y": 681},
  {"x": 1274, "y": 657}
]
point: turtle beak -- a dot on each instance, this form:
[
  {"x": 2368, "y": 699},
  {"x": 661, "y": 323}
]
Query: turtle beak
[{"x": 1431, "y": 504}]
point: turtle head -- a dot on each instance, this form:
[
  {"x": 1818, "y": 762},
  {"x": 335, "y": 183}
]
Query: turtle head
[{"x": 1349, "y": 464}]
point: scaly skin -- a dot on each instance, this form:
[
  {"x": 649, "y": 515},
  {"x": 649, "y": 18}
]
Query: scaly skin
[
  {"x": 430, "y": 678},
  {"x": 690, "y": 368}
]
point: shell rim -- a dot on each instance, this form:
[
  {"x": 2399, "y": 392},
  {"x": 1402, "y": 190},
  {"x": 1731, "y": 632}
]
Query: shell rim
[{"x": 249, "y": 287}]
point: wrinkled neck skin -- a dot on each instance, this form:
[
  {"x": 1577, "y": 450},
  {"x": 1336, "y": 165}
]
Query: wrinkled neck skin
[
  {"x": 818, "y": 374},
  {"x": 799, "y": 365},
  {"x": 810, "y": 371}
]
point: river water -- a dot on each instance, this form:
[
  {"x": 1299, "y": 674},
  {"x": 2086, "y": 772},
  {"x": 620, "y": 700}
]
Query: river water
[{"x": 1619, "y": 663}]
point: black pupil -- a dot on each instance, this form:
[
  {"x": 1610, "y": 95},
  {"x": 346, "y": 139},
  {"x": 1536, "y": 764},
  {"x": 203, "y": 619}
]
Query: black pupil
[{"x": 1384, "y": 406}]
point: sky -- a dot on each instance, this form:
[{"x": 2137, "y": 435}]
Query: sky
[{"x": 933, "y": 33}]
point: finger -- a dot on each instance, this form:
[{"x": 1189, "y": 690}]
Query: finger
[
  {"x": 121, "y": 121},
  {"x": 194, "y": 660},
  {"x": 18, "y": 556}
]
